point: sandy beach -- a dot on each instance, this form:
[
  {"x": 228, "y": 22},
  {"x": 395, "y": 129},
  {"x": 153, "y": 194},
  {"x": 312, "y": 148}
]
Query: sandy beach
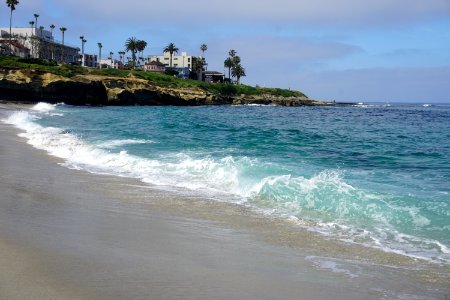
[{"x": 69, "y": 234}]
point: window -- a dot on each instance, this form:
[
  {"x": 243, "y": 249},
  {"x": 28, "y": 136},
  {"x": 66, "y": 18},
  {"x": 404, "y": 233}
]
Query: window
[
  {"x": 189, "y": 59},
  {"x": 189, "y": 65},
  {"x": 176, "y": 58},
  {"x": 176, "y": 65}
]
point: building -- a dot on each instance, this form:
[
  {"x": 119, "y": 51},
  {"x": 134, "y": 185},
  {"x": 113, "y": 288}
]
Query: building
[
  {"x": 155, "y": 66},
  {"x": 178, "y": 61},
  {"x": 41, "y": 44},
  {"x": 15, "y": 47},
  {"x": 109, "y": 63},
  {"x": 213, "y": 76},
  {"x": 90, "y": 60}
]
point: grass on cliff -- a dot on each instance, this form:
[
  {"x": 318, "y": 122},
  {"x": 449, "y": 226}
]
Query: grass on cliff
[
  {"x": 213, "y": 88},
  {"x": 9, "y": 62},
  {"x": 15, "y": 63}
]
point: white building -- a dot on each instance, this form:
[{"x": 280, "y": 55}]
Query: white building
[
  {"x": 178, "y": 61},
  {"x": 108, "y": 63},
  {"x": 90, "y": 60},
  {"x": 28, "y": 32},
  {"x": 41, "y": 43}
]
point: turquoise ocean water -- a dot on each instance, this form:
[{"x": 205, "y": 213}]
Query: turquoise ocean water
[{"x": 376, "y": 175}]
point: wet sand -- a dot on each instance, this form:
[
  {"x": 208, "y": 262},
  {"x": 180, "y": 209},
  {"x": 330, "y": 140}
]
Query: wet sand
[{"x": 69, "y": 234}]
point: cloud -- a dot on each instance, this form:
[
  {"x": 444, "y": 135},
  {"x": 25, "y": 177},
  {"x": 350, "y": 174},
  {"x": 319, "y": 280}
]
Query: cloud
[
  {"x": 378, "y": 84},
  {"x": 206, "y": 13},
  {"x": 294, "y": 50}
]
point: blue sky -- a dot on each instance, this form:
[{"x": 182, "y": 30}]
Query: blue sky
[{"x": 347, "y": 50}]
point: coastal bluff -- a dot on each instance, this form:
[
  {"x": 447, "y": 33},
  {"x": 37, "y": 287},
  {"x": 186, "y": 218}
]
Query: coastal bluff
[{"x": 30, "y": 86}]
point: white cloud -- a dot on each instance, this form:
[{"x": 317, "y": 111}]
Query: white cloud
[{"x": 209, "y": 12}]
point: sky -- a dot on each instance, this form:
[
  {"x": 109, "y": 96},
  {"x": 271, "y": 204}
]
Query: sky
[{"x": 343, "y": 50}]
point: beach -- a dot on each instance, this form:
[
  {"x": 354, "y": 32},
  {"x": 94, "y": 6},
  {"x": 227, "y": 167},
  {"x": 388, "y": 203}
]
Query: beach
[{"x": 70, "y": 234}]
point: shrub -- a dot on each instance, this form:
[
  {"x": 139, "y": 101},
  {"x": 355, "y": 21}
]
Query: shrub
[
  {"x": 171, "y": 72},
  {"x": 37, "y": 61}
]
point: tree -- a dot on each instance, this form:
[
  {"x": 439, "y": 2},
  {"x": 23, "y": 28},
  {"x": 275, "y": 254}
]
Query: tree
[
  {"x": 232, "y": 53},
  {"x": 100, "y": 46},
  {"x": 12, "y": 5},
  {"x": 131, "y": 45},
  {"x": 51, "y": 28},
  {"x": 122, "y": 56},
  {"x": 82, "y": 49},
  {"x": 236, "y": 60},
  {"x": 36, "y": 16},
  {"x": 63, "y": 30},
  {"x": 198, "y": 68},
  {"x": 111, "y": 58},
  {"x": 41, "y": 28},
  {"x": 228, "y": 63},
  {"x": 238, "y": 72},
  {"x": 31, "y": 37},
  {"x": 171, "y": 48},
  {"x": 141, "y": 45},
  {"x": 203, "y": 48}
]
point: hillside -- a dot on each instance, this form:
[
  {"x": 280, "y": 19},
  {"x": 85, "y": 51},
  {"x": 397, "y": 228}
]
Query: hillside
[{"x": 34, "y": 80}]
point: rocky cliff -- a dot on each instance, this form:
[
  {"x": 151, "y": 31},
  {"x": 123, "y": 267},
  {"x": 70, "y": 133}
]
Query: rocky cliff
[{"x": 35, "y": 86}]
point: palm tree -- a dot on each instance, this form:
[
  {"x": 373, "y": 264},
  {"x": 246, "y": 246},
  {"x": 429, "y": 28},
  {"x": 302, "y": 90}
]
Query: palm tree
[
  {"x": 140, "y": 47},
  {"x": 238, "y": 72},
  {"x": 100, "y": 46},
  {"x": 31, "y": 37},
  {"x": 82, "y": 50},
  {"x": 203, "y": 48},
  {"x": 41, "y": 28},
  {"x": 236, "y": 60},
  {"x": 111, "y": 58},
  {"x": 131, "y": 45},
  {"x": 12, "y": 5},
  {"x": 228, "y": 63},
  {"x": 232, "y": 53},
  {"x": 171, "y": 48},
  {"x": 51, "y": 28},
  {"x": 36, "y": 16},
  {"x": 122, "y": 56},
  {"x": 198, "y": 68},
  {"x": 63, "y": 30}
]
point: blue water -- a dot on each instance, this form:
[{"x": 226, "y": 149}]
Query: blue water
[{"x": 373, "y": 175}]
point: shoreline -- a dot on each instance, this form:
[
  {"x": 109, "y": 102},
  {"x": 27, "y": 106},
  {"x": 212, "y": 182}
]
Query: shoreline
[{"x": 97, "y": 236}]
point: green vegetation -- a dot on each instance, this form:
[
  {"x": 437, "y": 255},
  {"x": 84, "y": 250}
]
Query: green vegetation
[
  {"x": 15, "y": 63},
  {"x": 10, "y": 62},
  {"x": 134, "y": 46},
  {"x": 213, "y": 88},
  {"x": 233, "y": 63},
  {"x": 171, "y": 48}
]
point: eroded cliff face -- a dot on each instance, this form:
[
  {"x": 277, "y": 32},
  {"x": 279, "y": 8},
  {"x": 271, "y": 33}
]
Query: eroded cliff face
[{"x": 33, "y": 86}]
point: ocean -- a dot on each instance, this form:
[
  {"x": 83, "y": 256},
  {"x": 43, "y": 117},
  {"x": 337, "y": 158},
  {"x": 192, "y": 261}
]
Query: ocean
[{"x": 374, "y": 175}]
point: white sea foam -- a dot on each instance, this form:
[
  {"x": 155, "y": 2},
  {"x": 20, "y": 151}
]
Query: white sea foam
[
  {"x": 43, "y": 107},
  {"x": 311, "y": 199},
  {"x": 332, "y": 265},
  {"x": 119, "y": 143}
]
